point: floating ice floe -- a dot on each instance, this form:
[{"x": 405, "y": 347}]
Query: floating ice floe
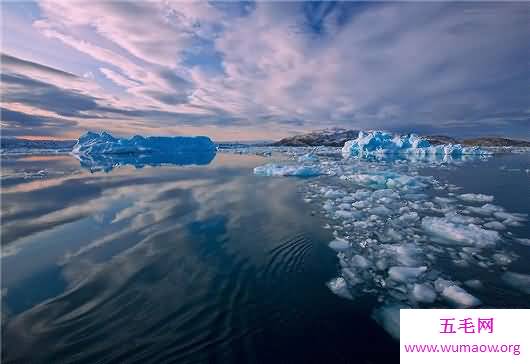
[
  {"x": 459, "y": 297},
  {"x": 381, "y": 142},
  {"x": 308, "y": 157},
  {"x": 495, "y": 225},
  {"x": 474, "y": 283},
  {"x": 405, "y": 274},
  {"x": 423, "y": 292},
  {"x": 463, "y": 234},
  {"x": 339, "y": 287},
  {"x": 103, "y": 143},
  {"x": 339, "y": 244},
  {"x": 272, "y": 169},
  {"x": 475, "y": 197}
]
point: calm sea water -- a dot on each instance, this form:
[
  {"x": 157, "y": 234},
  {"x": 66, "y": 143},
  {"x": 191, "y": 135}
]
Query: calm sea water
[{"x": 172, "y": 264}]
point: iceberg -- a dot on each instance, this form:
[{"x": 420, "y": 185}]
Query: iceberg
[
  {"x": 381, "y": 142},
  {"x": 103, "y": 152},
  {"x": 92, "y": 143}
]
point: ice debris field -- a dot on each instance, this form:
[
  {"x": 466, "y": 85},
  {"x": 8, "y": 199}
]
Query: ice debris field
[{"x": 399, "y": 235}]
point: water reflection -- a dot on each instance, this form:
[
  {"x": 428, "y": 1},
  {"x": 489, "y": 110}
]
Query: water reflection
[
  {"x": 424, "y": 159},
  {"x": 107, "y": 162},
  {"x": 196, "y": 264}
]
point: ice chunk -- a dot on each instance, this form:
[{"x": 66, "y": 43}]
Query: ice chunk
[
  {"x": 386, "y": 180},
  {"x": 351, "y": 276},
  {"x": 502, "y": 259},
  {"x": 104, "y": 143},
  {"x": 344, "y": 214},
  {"x": 513, "y": 219},
  {"x": 485, "y": 210},
  {"x": 474, "y": 283},
  {"x": 406, "y": 254},
  {"x": 272, "y": 169},
  {"x": 423, "y": 293},
  {"x": 461, "y": 234},
  {"x": 405, "y": 274},
  {"x": 360, "y": 262},
  {"x": 380, "y": 210},
  {"x": 339, "y": 244},
  {"x": 409, "y": 217},
  {"x": 309, "y": 157},
  {"x": 495, "y": 225},
  {"x": 440, "y": 284},
  {"x": 475, "y": 197},
  {"x": 518, "y": 281},
  {"x": 459, "y": 297},
  {"x": 339, "y": 287}
]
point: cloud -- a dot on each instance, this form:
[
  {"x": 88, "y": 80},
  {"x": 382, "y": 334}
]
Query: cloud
[
  {"x": 20, "y": 89},
  {"x": 291, "y": 66},
  {"x": 15, "y": 123},
  {"x": 48, "y": 102}
]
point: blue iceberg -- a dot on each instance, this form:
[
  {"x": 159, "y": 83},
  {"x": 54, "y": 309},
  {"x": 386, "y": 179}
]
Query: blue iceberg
[
  {"x": 104, "y": 152},
  {"x": 381, "y": 142},
  {"x": 93, "y": 143}
]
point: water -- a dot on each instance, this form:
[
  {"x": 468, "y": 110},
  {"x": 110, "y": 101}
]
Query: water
[
  {"x": 193, "y": 260},
  {"x": 172, "y": 264}
]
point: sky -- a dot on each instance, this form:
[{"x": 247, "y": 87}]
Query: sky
[{"x": 265, "y": 70}]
